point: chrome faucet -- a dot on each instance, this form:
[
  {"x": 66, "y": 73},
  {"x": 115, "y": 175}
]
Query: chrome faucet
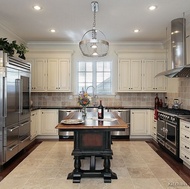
[{"x": 94, "y": 102}]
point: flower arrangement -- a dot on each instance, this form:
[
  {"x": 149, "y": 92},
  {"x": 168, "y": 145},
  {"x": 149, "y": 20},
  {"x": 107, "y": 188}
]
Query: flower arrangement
[{"x": 84, "y": 99}]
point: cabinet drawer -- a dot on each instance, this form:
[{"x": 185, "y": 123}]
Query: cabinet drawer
[
  {"x": 185, "y": 146},
  {"x": 185, "y": 156},
  {"x": 185, "y": 135},
  {"x": 11, "y": 150},
  {"x": 11, "y": 134},
  {"x": 185, "y": 126},
  {"x": 24, "y": 128}
]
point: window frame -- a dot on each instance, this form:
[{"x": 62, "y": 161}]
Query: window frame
[{"x": 94, "y": 77}]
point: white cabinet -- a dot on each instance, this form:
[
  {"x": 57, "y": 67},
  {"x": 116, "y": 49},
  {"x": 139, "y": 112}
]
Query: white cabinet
[
  {"x": 49, "y": 119},
  {"x": 35, "y": 123},
  {"x": 150, "y": 69},
  {"x": 185, "y": 142},
  {"x": 140, "y": 123},
  {"x": 153, "y": 126},
  {"x": 59, "y": 77},
  {"x": 129, "y": 75},
  {"x": 38, "y": 75}
]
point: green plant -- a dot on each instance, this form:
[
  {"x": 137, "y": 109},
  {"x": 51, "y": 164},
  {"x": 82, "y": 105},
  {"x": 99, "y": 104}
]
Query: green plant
[
  {"x": 21, "y": 50},
  {"x": 10, "y": 48},
  {"x": 6, "y": 46}
]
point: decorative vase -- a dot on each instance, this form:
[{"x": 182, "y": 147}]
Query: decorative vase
[{"x": 83, "y": 111}]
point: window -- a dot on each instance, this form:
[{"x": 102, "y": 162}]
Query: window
[{"x": 96, "y": 74}]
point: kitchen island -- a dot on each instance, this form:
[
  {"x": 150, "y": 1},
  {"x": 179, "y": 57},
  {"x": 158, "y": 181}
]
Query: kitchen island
[{"x": 92, "y": 138}]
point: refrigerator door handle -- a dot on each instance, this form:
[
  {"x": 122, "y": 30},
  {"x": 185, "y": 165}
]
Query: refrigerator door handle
[
  {"x": 20, "y": 89},
  {"x": 5, "y": 97}
]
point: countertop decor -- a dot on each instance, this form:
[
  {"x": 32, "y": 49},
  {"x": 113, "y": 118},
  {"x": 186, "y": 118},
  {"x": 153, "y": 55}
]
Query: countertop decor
[{"x": 84, "y": 100}]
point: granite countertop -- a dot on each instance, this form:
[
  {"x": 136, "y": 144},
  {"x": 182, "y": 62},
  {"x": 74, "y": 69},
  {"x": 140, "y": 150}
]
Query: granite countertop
[{"x": 79, "y": 107}]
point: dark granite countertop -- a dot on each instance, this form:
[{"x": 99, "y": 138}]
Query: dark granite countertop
[{"x": 79, "y": 107}]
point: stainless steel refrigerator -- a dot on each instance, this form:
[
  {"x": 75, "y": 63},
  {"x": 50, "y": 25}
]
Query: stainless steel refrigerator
[{"x": 15, "y": 94}]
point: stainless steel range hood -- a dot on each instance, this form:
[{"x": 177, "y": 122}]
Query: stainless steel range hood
[{"x": 178, "y": 50}]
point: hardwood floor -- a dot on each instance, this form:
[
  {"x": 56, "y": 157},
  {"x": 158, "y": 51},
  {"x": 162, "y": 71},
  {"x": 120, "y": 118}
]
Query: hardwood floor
[{"x": 178, "y": 167}]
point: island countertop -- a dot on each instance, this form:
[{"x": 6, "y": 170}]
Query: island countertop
[{"x": 111, "y": 121}]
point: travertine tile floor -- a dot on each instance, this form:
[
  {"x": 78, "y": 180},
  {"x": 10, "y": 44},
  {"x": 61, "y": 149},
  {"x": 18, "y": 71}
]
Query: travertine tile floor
[{"x": 136, "y": 164}]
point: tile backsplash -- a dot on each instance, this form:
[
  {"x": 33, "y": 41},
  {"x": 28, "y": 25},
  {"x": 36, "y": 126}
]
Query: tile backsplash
[
  {"x": 121, "y": 99},
  {"x": 183, "y": 93}
]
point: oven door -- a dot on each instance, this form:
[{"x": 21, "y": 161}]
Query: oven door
[
  {"x": 171, "y": 133},
  {"x": 161, "y": 124}
]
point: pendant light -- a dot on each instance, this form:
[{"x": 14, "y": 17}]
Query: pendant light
[{"x": 93, "y": 42}]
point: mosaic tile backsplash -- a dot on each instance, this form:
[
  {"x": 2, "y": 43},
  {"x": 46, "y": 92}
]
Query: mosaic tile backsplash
[{"x": 121, "y": 99}]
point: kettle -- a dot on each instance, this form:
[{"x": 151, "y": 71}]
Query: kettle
[{"x": 176, "y": 104}]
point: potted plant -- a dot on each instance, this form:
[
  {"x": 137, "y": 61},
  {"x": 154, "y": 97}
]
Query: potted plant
[
  {"x": 21, "y": 50},
  {"x": 10, "y": 48},
  {"x": 6, "y": 46}
]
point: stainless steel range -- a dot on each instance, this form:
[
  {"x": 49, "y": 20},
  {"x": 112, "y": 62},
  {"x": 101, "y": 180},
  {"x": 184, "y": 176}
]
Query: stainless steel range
[{"x": 168, "y": 129}]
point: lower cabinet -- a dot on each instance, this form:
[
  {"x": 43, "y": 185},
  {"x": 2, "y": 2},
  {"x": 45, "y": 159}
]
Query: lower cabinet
[
  {"x": 140, "y": 123},
  {"x": 35, "y": 122},
  {"x": 185, "y": 142},
  {"x": 49, "y": 119},
  {"x": 153, "y": 126}
]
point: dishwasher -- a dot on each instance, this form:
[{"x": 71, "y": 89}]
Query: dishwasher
[
  {"x": 125, "y": 116},
  {"x": 62, "y": 133}
]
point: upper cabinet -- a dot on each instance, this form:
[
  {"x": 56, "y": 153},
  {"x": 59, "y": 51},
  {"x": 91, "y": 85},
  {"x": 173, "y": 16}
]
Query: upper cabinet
[
  {"x": 139, "y": 75},
  {"x": 51, "y": 74},
  {"x": 129, "y": 75},
  {"x": 38, "y": 75},
  {"x": 59, "y": 75},
  {"x": 150, "y": 69}
]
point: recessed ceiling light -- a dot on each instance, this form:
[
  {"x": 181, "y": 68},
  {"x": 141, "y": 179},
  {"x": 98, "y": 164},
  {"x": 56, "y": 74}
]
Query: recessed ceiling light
[
  {"x": 152, "y": 7},
  {"x": 136, "y": 30},
  {"x": 37, "y": 7},
  {"x": 52, "y": 30}
]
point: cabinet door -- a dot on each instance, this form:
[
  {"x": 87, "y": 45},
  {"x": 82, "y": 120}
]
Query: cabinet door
[
  {"x": 53, "y": 75},
  {"x": 148, "y": 75},
  {"x": 34, "y": 124},
  {"x": 59, "y": 75},
  {"x": 129, "y": 75},
  {"x": 136, "y": 75},
  {"x": 150, "y": 69},
  {"x": 160, "y": 82},
  {"x": 138, "y": 122},
  {"x": 49, "y": 119},
  {"x": 38, "y": 75},
  {"x": 124, "y": 75},
  {"x": 64, "y": 75}
]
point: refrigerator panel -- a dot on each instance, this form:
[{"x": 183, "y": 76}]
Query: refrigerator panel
[
  {"x": 12, "y": 95},
  {"x": 24, "y": 97}
]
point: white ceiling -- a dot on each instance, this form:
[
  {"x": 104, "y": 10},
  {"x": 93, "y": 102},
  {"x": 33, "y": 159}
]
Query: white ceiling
[{"x": 72, "y": 18}]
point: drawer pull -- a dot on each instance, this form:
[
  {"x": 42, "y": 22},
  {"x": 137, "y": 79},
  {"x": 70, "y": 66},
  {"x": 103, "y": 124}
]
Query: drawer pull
[
  {"x": 186, "y": 137},
  {"x": 13, "y": 147},
  {"x": 187, "y": 147},
  {"x": 187, "y": 127},
  {"x": 13, "y": 128},
  {"x": 186, "y": 157},
  {"x": 23, "y": 124}
]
